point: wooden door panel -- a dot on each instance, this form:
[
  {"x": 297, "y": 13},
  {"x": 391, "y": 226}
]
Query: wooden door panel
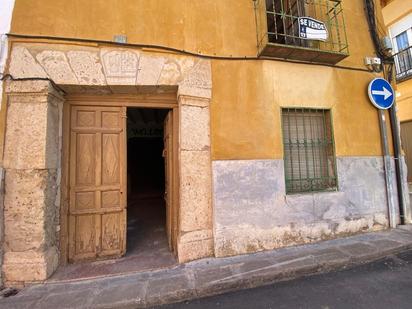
[
  {"x": 110, "y": 120},
  {"x": 85, "y": 236},
  {"x": 110, "y": 159},
  {"x": 84, "y": 201},
  {"x": 111, "y": 233},
  {"x": 111, "y": 199},
  {"x": 85, "y": 159},
  {"x": 97, "y": 209},
  {"x": 84, "y": 119}
]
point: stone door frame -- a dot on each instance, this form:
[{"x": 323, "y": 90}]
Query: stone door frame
[{"x": 33, "y": 149}]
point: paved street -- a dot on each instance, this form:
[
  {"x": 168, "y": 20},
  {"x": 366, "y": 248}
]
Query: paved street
[{"x": 383, "y": 284}]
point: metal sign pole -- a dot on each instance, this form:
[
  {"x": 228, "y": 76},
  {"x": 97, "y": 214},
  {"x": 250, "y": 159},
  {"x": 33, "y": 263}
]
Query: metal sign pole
[
  {"x": 382, "y": 96},
  {"x": 387, "y": 169}
]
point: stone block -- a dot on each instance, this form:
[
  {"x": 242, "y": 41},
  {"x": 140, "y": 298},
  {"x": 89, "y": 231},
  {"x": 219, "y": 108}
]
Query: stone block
[
  {"x": 36, "y": 128},
  {"x": 120, "y": 66},
  {"x": 29, "y": 209},
  {"x": 207, "y": 280},
  {"x": 57, "y": 67},
  {"x": 197, "y": 82},
  {"x": 166, "y": 290},
  {"x": 195, "y": 191},
  {"x": 401, "y": 236},
  {"x": 125, "y": 294},
  {"x": 195, "y": 128},
  {"x": 175, "y": 69},
  {"x": 192, "y": 101},
  {"x": 185, "y": 90},
  {"x": 23, "y": 64},
  {"x": 196, "y": 236},
  {"x": 331, "y": 257},
  {"x": 195, "y": 250},
  {"x": 28, "y": 86},
  {"x": 385, "y": 245},
  {"x": 68, "y": 300},
  {"x": 30, "y": 266},
  {"x": 149, "y": 70},
  {"x": 358, "y": 250},
  {"x": 209, "y": 273},
  {"x": 87, "y": 67}
]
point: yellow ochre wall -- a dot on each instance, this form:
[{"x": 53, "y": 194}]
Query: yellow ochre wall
[
  {"x": 247, "y": 95},
  {"x": 396, "y": 10}
]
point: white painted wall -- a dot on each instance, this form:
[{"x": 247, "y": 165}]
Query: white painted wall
[{"x": 6, "y": 12}]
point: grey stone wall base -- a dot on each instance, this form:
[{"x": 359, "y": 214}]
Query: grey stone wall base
[
  {"x": 212, "y": 276},
  {"x": 252, "y": 211}
]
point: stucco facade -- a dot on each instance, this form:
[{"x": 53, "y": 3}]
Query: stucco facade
[{"x": 232, "y": 197}]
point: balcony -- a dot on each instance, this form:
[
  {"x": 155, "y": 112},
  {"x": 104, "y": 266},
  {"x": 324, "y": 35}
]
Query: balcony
[
  {"x": 403, "y": 64},
  {"x": 279, "y": 34}
]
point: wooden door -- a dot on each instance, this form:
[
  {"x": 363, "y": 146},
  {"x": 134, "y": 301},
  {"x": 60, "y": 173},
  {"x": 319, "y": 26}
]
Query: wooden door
[
  {"x": 97, "y": 208},
  {"x": 168, "y": 159},
  {"x": 406, "y": 136}
]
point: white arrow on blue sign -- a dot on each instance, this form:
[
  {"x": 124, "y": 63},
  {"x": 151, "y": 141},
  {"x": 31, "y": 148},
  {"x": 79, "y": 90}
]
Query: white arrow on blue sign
[{"x": 381, "y": 93}]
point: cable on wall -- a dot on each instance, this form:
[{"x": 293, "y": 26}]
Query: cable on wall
[{"x": 182, "y": 51}]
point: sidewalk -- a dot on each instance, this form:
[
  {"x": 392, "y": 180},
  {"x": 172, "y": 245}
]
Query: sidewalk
[{"x": 212, "y": 276}]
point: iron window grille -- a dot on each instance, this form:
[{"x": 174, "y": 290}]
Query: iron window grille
[
  {"x": 309, "y": 152},
  {"x": 278, "y": 29}
]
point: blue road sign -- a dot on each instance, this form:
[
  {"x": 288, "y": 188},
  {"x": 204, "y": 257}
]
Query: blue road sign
[{"x": 381, "y": 93}]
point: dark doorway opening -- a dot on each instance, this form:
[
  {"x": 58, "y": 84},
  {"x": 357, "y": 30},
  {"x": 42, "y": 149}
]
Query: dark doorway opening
[{"x": 146, "y": 209}]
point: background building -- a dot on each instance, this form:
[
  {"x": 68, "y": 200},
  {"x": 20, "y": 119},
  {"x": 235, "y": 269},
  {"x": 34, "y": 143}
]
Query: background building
[
  {"x": 398, "y": 19},
  {"x": 268, "y": 138}
]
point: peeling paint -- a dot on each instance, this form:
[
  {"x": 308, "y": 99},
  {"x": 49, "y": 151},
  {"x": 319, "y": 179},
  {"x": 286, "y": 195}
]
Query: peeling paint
[{"x": 253, "y": 213}]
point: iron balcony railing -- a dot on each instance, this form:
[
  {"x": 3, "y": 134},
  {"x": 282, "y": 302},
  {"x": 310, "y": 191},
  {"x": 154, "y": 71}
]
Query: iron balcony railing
[
  {"x": 279, "y": 35},
  {"x": 403, "y": 64}
]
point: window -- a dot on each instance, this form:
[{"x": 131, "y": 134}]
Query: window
[
  {"x": 282, "y": 17},
  {"x": 308, "y": 150},
  {"x": 403, "y": 59},
  {"x": 402, "y": 41}
]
